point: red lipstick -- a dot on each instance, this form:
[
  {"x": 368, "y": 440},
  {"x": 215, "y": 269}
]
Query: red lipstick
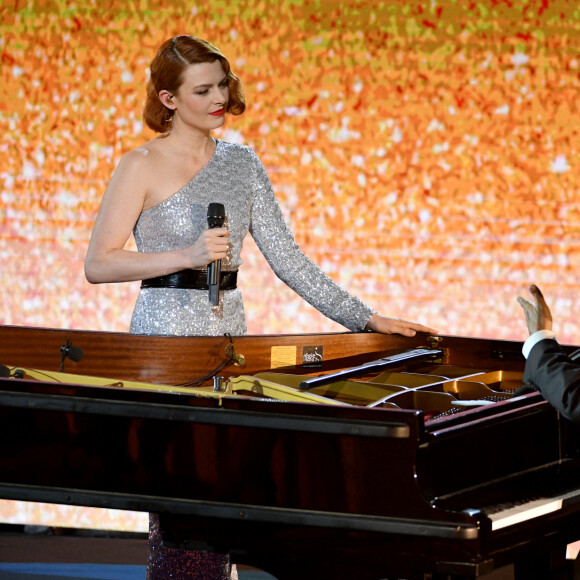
[{"x": 218, "y": 113}]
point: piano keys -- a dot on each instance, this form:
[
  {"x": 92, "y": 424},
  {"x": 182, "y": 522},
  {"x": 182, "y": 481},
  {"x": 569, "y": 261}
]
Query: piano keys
[{"x": 427, "y": 467}]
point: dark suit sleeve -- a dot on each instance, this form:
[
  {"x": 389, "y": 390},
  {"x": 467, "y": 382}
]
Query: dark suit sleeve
[{"x": 556, "y": 376}]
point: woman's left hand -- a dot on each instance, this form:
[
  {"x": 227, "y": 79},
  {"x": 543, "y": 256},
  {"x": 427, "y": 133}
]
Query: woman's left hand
[{"x": 387, "y": 325}]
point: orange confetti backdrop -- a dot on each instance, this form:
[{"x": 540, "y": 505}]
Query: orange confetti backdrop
[{"x": 425, "y": 153}]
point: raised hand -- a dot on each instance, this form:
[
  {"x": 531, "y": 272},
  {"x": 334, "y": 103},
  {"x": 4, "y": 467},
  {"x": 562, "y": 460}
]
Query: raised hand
[{"x": 538, "y": 315}]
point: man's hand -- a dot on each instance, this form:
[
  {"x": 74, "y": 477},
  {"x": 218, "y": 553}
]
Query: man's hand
[{"x": 538, "y": 315}]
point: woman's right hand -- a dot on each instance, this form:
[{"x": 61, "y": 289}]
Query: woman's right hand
[{"x": 212, "y": 245}]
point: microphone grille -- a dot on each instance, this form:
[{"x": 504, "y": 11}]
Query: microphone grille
[
  {"x": 75, "y": 353},
  {"x": 216, "y": 210},
  {"x": 216, "y": 215}
]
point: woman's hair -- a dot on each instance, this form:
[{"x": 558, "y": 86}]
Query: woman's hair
[{"x": 167, "y": 68}]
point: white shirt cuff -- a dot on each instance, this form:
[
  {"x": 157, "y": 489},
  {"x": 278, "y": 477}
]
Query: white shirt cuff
[{"x": 535, "y": 338}]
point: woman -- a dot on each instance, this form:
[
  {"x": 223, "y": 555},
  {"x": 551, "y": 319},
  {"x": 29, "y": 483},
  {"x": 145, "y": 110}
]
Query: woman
[{"x": 161, "y": 192}]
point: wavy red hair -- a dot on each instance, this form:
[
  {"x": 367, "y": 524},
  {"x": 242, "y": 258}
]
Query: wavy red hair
[{"x": 167, "y": 68}]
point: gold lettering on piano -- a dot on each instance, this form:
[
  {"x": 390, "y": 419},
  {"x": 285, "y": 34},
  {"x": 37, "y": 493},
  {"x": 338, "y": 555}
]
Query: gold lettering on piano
[{"x": 282, "y": 356}]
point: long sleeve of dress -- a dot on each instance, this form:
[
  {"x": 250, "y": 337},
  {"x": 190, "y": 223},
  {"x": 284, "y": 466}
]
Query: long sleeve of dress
[
  {"x": 276, "y": 242},
  {"x": 556, "y": 376}
]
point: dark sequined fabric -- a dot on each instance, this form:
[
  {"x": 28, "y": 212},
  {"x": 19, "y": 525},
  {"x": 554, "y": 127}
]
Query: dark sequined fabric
[{"x": 170, "y": 563}]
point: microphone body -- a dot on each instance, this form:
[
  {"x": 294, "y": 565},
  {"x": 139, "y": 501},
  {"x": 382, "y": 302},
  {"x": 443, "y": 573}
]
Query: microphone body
[{"x": 216, "y": 217}]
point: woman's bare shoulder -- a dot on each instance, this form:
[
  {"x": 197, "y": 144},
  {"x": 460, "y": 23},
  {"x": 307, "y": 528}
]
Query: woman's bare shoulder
[
  {"x": 144, "y": 158},
  {"x": 148, "y": 151}
]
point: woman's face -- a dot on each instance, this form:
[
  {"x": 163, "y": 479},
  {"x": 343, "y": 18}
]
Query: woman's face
[{"x": 201, "y": 100}]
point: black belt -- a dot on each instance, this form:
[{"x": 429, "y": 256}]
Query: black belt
[{"x": 191, "y": 280}]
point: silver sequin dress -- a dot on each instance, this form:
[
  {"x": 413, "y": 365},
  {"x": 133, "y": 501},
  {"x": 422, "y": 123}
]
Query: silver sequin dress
[{"x": 235, "y": 177}]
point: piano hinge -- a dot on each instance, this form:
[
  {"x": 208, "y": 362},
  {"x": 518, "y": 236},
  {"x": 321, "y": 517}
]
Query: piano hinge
[
  {"x": 433, "y": 344},
  {"x": 434, "y": 341}
]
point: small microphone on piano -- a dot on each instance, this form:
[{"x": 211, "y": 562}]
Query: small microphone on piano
[{"x": 75, "y": 353}]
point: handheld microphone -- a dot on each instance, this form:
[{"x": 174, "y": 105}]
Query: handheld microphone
[{"x": 216, "y": 216}]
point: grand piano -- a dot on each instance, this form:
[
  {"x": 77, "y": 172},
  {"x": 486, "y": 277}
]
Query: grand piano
[{"x": 309, "y": 456}]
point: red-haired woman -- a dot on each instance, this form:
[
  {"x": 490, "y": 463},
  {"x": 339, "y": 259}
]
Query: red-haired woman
[{"x": 161, "y": 191}]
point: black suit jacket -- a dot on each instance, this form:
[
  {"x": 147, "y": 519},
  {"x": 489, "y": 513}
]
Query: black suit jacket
[{"x": 550, "y": 370}]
